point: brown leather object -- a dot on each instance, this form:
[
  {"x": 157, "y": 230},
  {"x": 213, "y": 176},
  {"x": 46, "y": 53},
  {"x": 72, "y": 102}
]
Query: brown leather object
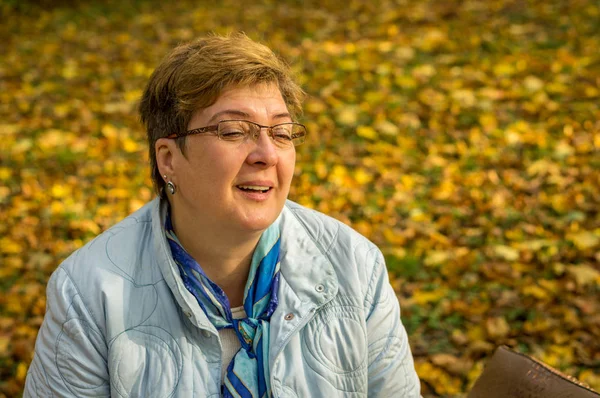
[{"x": 509, "y": 374}]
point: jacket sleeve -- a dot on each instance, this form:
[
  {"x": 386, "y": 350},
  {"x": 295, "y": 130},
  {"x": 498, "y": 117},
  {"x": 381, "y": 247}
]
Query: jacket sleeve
[
  {"x": 391, "y": 370},
  {"x": 70, "y": 357}
]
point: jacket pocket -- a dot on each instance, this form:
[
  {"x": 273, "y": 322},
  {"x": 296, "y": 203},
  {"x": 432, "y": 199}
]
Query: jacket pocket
[{"x": 334, "y": 344}]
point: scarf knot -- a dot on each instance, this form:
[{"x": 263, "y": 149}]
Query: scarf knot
[{"x": 246, "y": 329}]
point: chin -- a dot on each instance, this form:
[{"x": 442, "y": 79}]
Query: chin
[{"x": 259, "y": 221}]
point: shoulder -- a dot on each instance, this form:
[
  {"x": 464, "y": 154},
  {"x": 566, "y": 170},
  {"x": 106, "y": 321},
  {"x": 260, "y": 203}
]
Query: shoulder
[
  {"x": 347, "y": 250},
  {"x": 120, "y": 249},
  {"x": 326, "y": 231},
  {"x": 120, "y": 257}
]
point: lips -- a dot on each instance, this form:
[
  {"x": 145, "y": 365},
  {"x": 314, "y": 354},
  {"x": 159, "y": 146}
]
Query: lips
[{"x": 254, "y": 188}]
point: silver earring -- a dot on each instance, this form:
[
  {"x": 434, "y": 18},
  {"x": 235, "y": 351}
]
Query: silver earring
[{"x": 171, "y": 187}]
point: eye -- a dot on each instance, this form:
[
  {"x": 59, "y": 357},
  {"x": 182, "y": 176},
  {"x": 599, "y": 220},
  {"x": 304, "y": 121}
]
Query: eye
[
  {"x": 232, "y": 133},
  {"x": 233, "y": 130},
  {"x": 282, "y": 133}
]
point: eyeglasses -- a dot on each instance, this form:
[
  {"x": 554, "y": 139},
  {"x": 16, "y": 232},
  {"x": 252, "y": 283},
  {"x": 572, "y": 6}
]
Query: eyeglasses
[{"x": 284, "y": 135}]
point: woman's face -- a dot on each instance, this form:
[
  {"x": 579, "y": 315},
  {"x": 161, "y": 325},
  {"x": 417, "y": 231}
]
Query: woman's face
[{"x": 214, "y": 176}]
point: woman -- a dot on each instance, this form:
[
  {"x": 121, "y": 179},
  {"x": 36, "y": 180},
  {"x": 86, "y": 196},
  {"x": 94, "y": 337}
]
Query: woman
[{"x": 220, "y": 286}]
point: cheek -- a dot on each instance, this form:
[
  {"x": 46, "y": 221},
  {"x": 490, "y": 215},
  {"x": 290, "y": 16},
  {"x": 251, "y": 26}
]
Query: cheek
[
  {"x": 288, "y": 166},
  {"x": 213, "y": 164}
]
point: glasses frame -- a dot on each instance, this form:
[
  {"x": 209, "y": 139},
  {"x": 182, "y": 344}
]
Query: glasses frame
[{"x": 215, "y": 127}]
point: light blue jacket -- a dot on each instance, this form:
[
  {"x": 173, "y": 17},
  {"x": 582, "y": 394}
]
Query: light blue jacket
[{"x": 120, "y": 322}]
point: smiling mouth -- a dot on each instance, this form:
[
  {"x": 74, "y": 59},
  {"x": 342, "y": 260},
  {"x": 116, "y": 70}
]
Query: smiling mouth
[{"x": 253, "y": 188}]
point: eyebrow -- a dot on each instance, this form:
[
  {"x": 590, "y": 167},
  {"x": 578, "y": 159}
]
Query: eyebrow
[{"x": 235, "y": 112}]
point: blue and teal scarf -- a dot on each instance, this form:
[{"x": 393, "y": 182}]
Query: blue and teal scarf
[{"x": 248, "y": 373}]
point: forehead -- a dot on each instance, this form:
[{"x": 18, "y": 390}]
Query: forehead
[{"x": 263, "y": 101}]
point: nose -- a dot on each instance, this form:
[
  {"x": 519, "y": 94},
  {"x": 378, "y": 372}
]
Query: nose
[{"x": 263, "y": 152}]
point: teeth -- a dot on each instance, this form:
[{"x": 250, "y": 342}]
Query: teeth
[{"x": 254, "y": 187}]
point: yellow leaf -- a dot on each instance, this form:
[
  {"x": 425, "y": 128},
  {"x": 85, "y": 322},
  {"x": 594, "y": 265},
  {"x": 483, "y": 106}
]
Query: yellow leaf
[
  {"x": 132, "y": 95},
  {"x": 362, "y": 177},
  {"x": 130, "y": 145},
  {"x": 109, "y": 131},
  {"x": 504, "y": 69},
  {"x": 466, "y": 98},
  {"x": 535, "y": 291},
  {"x": 558, "y": 355},
  {"x": 443, "y": 383},
  {"x": 550, "y": 285},
  {"x": 348, "y": 64},
  {"x": 367, "y": 132},
  {"x": 51, "y": 139},
  {"x": 61, "y": 110},
  {"x": 9, "y": 246},
  {"x": 418, "y": 215},
  {"x": 584, "y": 274},
  {"x": 21, "y": 371},
  {"x": 135, "y": 204},
  {"x": 321, "y": 169},
  {"x": 4, "y": 343},
  {"x": 117, "y": 107},
  {"x": 406, "y": 82},
  {"x": 497, "y": 327},
  {"x": 563, "y": 149},
  {"x": 584, "y": 240},
  {"x": 421, "y": 297},
  {"x": 591, "y": 378},
  {"x": 424, "y": 71},
  {"x": 85, "y": 225},
  {"x": 591, "y": 92},
  {"x": 476, "y": 333},
  {"x": 57, "y": 207},
  {"x": 350, "y": 48},
  {"x": 437, "y": 257},
  {"x": 9, "y": 129},
  {"x": 488, "y": 121},
  {"x": 315, "y": 106},
  {"x": 118, "y": 193},
  {"x": 348, "y": 116},
  {"x": 533, "y": 83},
  {"x": 5, "y": 173},
  {"x": 338, "y": 175},
  {"x": 506, "y": 252},
  {"x": 393, "y": 236},
  {"x": 4, "y": 192},
  {"x": 475, "y": 372},
  {"x": 70, "y": 70},
  {"x": 386, "y": 127},
  {"x": 405, "y": 53},
  {"x": 60, "y": 191}
]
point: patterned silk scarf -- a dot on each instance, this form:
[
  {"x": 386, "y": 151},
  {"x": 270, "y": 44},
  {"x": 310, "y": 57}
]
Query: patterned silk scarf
[{"x": 248, "y": 372}]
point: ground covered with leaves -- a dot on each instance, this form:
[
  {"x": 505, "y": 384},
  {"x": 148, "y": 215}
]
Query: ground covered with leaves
[{"x": 462, "y": 137}]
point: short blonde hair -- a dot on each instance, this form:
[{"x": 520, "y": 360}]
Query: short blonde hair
[{"x": 193, "y": 76}]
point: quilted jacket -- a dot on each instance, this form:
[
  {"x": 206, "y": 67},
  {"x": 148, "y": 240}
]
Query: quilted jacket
[{"x": 120, "y": 322}]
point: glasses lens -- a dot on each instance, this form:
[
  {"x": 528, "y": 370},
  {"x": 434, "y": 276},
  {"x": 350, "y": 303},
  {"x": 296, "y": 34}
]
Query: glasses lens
[
  {"x": 298, "y": 134},
  {"x": 287, "y": 135},
  {"x": 235, "y": 130},
  {"x": 282, "y": 135}
]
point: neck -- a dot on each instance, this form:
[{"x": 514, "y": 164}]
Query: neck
[{"x": 224, "y": 256}]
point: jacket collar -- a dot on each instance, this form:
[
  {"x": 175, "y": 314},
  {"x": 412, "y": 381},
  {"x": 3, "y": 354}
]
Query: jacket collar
[
  {"x": 169, "y": 270},
  {"x": 304, "y": 265},
  {"x": 305, "y": 268}
]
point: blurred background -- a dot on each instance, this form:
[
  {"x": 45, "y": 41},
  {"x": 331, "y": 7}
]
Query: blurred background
[{"x": 462, "y": 137}]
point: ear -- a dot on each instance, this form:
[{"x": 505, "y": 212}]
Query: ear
[{"x": 165, "y": 150}]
